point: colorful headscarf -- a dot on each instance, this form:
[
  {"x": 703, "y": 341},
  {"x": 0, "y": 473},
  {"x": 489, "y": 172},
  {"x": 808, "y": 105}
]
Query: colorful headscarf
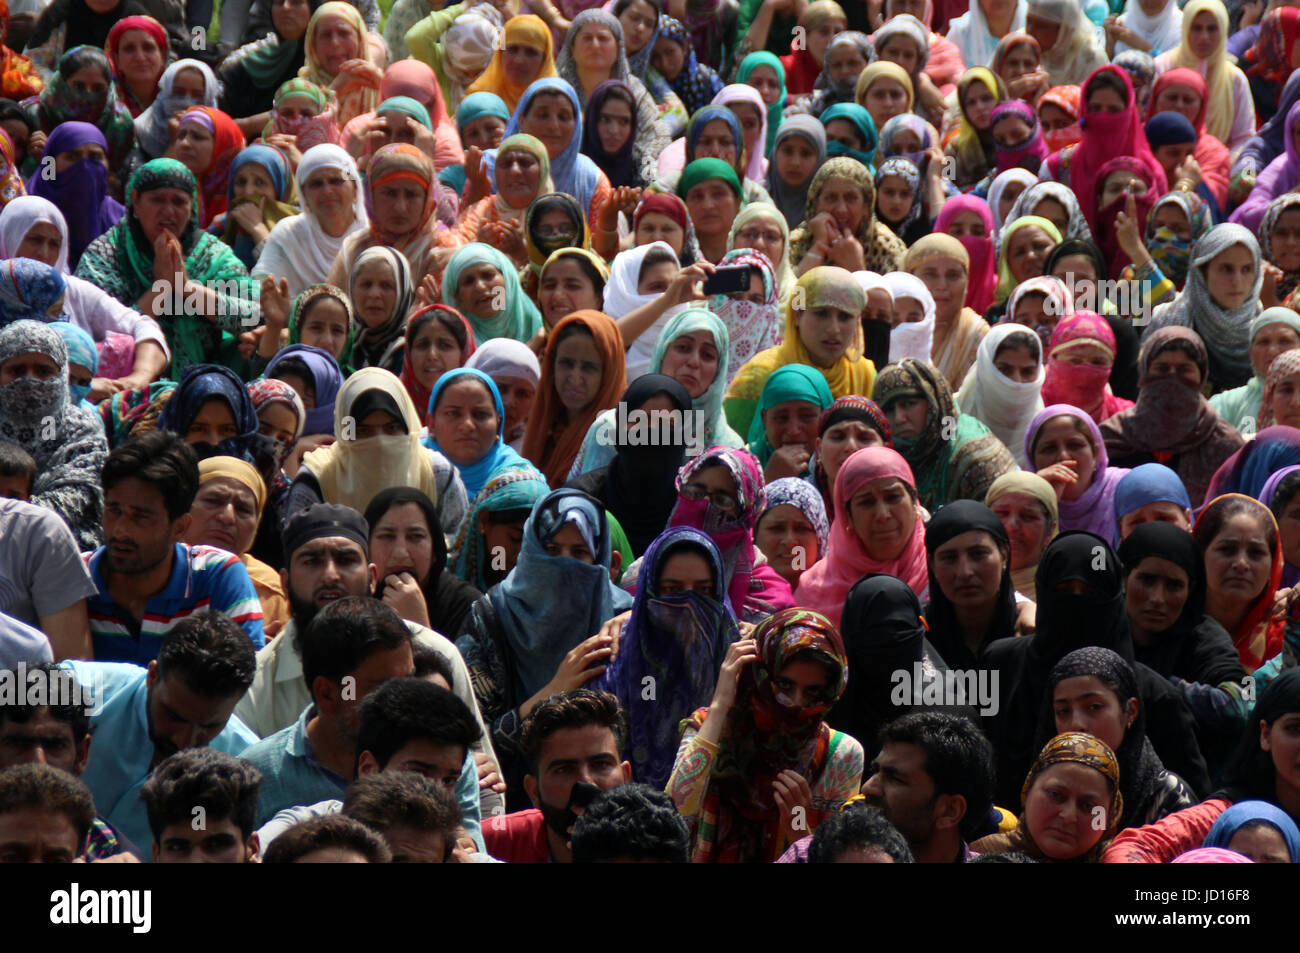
[
  {"x": 983, "y": 277},
  {"x": 1093, "y": 511},
  {"x": 1006, "y": 281},
  {"x": 28, "y": 288},
  {"x": 696, "y": 84},
  {"x": 227, "y": 140},
  {"x": 774, "y": 109},
  {"x": 791, "y": 382},
  {"x": 523, "y": 30},
  {"x": 1077, "y": 747},
  {"x": 1068, "y": 99},
  {"x": 153, "y": 126},
  {"x": 512, "y": 489}
]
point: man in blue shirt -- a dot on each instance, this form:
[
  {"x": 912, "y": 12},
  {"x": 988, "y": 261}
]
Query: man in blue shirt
[
  {"x": 184, "y": 699},
  {"x": 147, "y": 580}
]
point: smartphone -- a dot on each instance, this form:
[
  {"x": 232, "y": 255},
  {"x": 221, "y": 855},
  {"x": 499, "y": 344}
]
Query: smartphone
[{"x": 727, "y": 280}]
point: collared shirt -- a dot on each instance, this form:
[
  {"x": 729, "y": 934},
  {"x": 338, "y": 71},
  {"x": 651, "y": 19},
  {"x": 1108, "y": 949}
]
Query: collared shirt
[
  {"x": 202, "y": 577},
  {"x": 121, "y": 750},
  {"x": 518, "y": 838}
]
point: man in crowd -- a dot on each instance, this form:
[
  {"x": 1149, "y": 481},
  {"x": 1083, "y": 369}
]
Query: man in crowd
[
  {"x": 146, "y": 579},
  {"x": 631, "y": 824},
  {"x": 45, "y": 815},
  {"x": 202, "y": 805},
  {"x": 417, "y": 818}
]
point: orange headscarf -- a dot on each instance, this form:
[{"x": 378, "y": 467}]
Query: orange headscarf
[
  {"x": 550, "y": 443},
  {"x": 528, "y": 30}
]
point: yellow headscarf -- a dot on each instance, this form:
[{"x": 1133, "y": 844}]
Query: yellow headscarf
[
  {"x": 1032, "y": 485},
  {"x": 1215, "y": 69},
  {"x": 352, "y": 471},
  {"x": 884, "y": 68},
  {"x": 312, "y": 68},
  {"x": 1006, "y": 281},
  {"x": 527, "y": 30},
  {"x": 236, "y": 469},
  {"x": 967, "y": 145}
]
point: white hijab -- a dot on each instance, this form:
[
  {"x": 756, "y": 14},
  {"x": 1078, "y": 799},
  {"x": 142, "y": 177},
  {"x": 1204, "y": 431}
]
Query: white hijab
[
  {"x": 911, "y": 339},
  {"x": 151, "y": 126},
  {"x": 999, "y": 186},
  {"x": 18, "y": 218},
  {"x": 1164, "y": 30},
  {"x": 970, "y": 32},
  {"x": 300, "y": 236},
  {"x": 1005, "y": 406},
  {"x": 622, "y": 297}
]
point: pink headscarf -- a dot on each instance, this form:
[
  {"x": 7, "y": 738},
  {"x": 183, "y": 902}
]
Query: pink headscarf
[
  {"x": 826, "y": 585},
  {"x": 1106, "y": 135},
  {"x": 983, "y": 279},
  {"x": 1085, "y": 386}
]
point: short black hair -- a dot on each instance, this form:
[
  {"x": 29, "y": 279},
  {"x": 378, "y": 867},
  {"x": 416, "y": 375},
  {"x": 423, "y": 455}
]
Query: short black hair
[
  {"x": 631, "y": 822},
  {"x": 213, "y": 655},
  {"x": 162, "y": 459},
  {"x": 861, "y": 827},
  {"x": 328, "y": 830},
  {"x": 223, "y": 785},
  {"x": 344, "y": 634},
  {"x": 429, "y": 662},
  {"x": 63, "y": 698},
  {"x": 575, "y": 709},
  {"x": 15, "y": 461},
  {"x": 958, "y": 759},
  {"x": 404, "y": 799},
  {"x": 49, "y": 789},
  {"x": 404, "y": 709}
]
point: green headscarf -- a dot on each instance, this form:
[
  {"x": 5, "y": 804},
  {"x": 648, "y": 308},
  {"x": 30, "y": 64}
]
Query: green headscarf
[
  {"x": 619, "y": 543},
  {"x": 310, "y": 294},
  {"x": 516, "y": 488},
  {"x": 701, "y": 170},
  {"x": 857, "y": 115},
  {"x": 407, "y": 106},
  {"x": 717, "y": 431},
  {"x": 301, "y": 87},
  {"x": 789, "y": 382},
  {"x": 776, "y": 109},
  {"x": 520, "y": 320}
]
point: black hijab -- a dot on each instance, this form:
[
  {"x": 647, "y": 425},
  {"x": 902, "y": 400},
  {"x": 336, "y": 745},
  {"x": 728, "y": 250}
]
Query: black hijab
[
  {"x": 85, "y": 26},
  {"x": 639, "y": 487},
  {"x": 1250, "y": 774},
  {"x": 447, "y": 598},
  {"x": 964, "y": 516},
  {"x": 1196, "y": 647}
]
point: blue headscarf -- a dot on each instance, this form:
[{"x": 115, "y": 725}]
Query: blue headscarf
[
  {"x": 677, "y": 641},
  {"x": 548, "y": 604},
  {"x": 803, "y": 496},
  {"x": 201, "y": 383},
  {"x": 476, "y": 475},
  {"x": 1149, "y": 483},
  {"x": 327, "y": 378},
  {"x": 859, "y": 116},
  {"x": 1247, "y": 470},
  {"x": 472, "y": 107},
  {"x": 27, "y": 289},
  {"x": 705, "y": 116},
  {"x": 516, "y": 488},
  {"x": 1242, "y": 813},
  {"x": 695, "y": 85},
  {"x": 271, "y": 160},
  {"x": 571, "y": 171},
  {"x": 81, "y": 350}
]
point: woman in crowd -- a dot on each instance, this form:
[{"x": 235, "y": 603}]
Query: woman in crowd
[
  {"x": 1243, "y": 568},
  {"x": 381, "y": 289},
  {"x": 158, "y": 236},
  {"x": 1068, "y": 40},
  {"x": 848, "y": 425},
  {"x": 476, "y": 275},
  {"x": 1081, "y": 357},
  {"x": 66, "y": 442},
  {"x": 183, "y": 84},
  {"x": 1027, "y": 507},
  {"x": 972, "y": 149},
  {"x": 252, "y": 73},
  {"x": 379, "y": 448},
  {"x": 753, "y": 317},
  {"x": 82, "y": 90},
  {"x": 466, "y": 420},
  {"x": 79, "y": 186},
  {"x": 409, "y": 552},
  {"x": 1277, "y": 179},
  {"x": 526, "y": 54},
  {"x": 694, "y": 83},
  {"x": 1065, "y": 447},
  {"x": 1151, "y": 493},
  {"x": 1003, "y": 389},
  {"x": 1074, "y": 781},
  {"x": 1183, "y": 91},
  {"x": 765, "y": 72},
  {"x": 210, "y": 408},
  {"x": 762, "y": 747},
  {"x": 337, "y": 56},
  {"x": 972, "y": 601},
  {"x": 523, "y": 175},
  {"x": 438, "y": 339},
  {"x": 792, "y": 532},
  {"x": 943, "y": 266},
  {"x": 1275, "y": 330},
  {"x": 783, "y": 431},
  {"x": 494, "y": 527},
  {"x": 258, "y": 193},
  {"x": 207, "y": 141},
  {"x": 137, "y": 48},
  {"x": 953, "y": 455},
  {"x": 849, "y": 236},
  {"x": 970, "y": 220},
  {"x": 799, "y": 150},
  {"x": 677, "y": 635},
  {"x": 537, "y": 632},
  {"x": 1172, "y": 423},
  {"x": 1018, "y": 63},
  {"x": 976, "y": 32}
]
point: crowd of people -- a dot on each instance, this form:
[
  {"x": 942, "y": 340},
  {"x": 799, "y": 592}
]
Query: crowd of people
[{"x": 748, "y": 431}]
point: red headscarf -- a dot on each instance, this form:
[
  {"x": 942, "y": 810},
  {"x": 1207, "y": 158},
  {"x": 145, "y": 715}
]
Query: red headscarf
[
  {"x": 1106, "y": 135},
  {"x": 1270, "y": 57},
  {"x": 1116, "y": 258},
  {"x": 983, "y": 279},
  {"x": 1066, "y": 99},
  {"x": 1210, "y": 154},
  {"x": 144, "y": 25},
  {"x": 419, "y": 393},
  {"x": 1085, "y": 386},
  {"x": 227, "y": 140}
]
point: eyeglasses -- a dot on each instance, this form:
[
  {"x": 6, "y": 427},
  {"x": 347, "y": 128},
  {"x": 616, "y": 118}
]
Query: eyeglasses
[
  {"x": 719, "y": 498},
  {"x": 556, "y": 231},
  {"x": 752, "y": 235}
]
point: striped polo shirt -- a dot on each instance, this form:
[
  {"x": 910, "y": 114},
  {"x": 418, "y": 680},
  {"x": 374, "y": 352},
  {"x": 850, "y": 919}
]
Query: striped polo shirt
[{"x": 203, "y": 577}]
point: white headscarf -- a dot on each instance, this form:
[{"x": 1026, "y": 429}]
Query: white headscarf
[
  {"x": 151, "y": 126},
  {"x": 300, "y": 238},
  {"x": 1023, "y": 176},
  {"x": 1164, "y": 30},
  {"x": 911, "y": 339},
  {"x": 1076, "y": 51},
  {"x": 18, "y": 218},
  {"x": 506, "y": 357},
  {"x": 622, "y": 297},
  {"x": 467, "y": 49},
  {"x": 1005, "y": 406},
  {"x": 970, "y": 32},
  {"x": 744, "y": 93}
]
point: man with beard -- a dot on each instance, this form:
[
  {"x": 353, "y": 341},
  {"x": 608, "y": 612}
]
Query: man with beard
[
  {"x": 146, "y": 579},
  {"x": 574, "y": 743},
  {"x": 933, "y": 780},
  {"x": 327, "y": 551},
  {"x": 141, "y": 716}
]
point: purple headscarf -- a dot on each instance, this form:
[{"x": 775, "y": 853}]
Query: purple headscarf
[
  {"x": 1279, "y": 177},
  {"x": 1290, "y": 574},
  {"x": 81, "y": 190},
  {"x": 1030, "y": 152},
  {"x": 326, "y": 381},
  {"x": 1094, "y": 512}
]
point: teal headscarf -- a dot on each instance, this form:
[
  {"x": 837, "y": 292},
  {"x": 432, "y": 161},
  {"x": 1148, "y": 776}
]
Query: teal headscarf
[
  {"x": 717, "y": 431},
  {"x": 473, "y": 106},
  {"x": 701, "y": 170},
  {"x": 788, "y": 382},
  {"x": 866, "y": 129},
  {"x": 774, "y": 110},
  {"x": 407, "y": 106},
  {"x": 517, "y": 488},
  {"x": 520, "y": 320}
]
